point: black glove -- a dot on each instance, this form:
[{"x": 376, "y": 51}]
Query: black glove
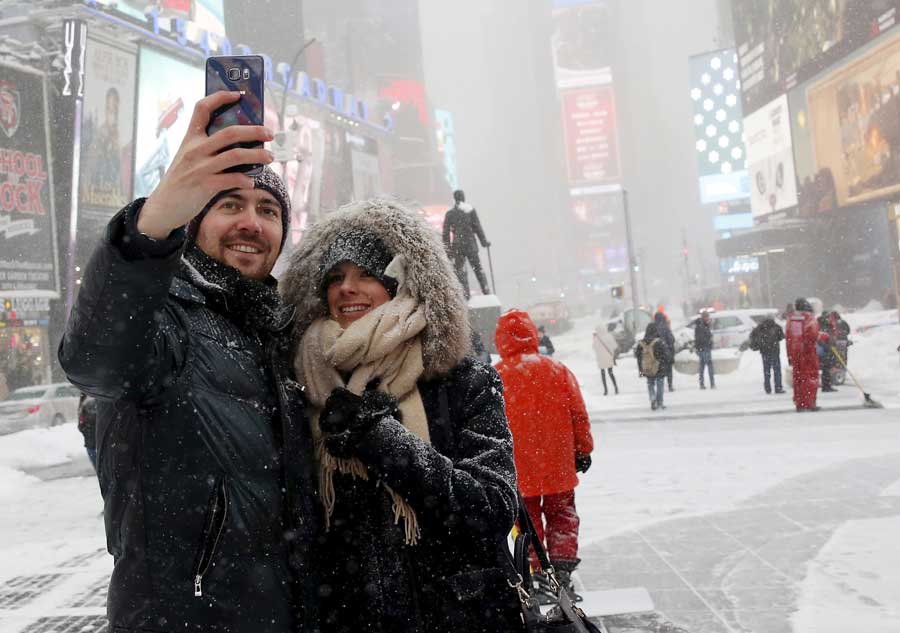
[
  {"x": 582, "y": 462},
  {"x": 346, "y": 417}
]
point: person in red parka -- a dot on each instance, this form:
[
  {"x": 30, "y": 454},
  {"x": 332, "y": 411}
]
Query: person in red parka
[
  {"x": 551, "y": 437},
  {"x": 802, "y": 334}
]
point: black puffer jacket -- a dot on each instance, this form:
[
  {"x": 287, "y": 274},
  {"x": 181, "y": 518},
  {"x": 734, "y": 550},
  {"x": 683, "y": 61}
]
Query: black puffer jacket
[
  {"x": 766, "y": 337},
  {"x": 462, "y": 487},
  {"x": 200, "y": 430}
]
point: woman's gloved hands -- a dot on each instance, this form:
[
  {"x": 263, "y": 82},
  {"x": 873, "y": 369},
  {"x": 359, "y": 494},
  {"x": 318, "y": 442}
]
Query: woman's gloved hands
[{"x": 346, "y": 417}]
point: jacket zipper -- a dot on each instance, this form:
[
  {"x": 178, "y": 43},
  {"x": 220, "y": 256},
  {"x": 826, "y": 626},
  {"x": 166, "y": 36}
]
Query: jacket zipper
[{"x": 210, "y": 548}]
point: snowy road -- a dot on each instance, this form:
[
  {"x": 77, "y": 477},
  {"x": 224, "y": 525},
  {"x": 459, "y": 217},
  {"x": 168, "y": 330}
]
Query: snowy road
[{"x": 735, "y": 513}]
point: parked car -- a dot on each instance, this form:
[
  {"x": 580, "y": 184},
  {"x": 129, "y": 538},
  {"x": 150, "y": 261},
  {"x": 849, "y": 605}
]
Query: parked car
[
  {"x": 626, "y": 329},
  {"x": 730, "y": 328},
  {"x": 38, "y": 406}
]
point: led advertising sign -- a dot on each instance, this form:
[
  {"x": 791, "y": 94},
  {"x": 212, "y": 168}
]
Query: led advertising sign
[
  {"x": 781, "y": 43},
  {"x": 770, "y": 157},
  {"x": 718, "y": 127}
]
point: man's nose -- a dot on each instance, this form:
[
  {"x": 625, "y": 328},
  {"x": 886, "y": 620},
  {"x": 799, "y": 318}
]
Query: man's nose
[{"x": 249, "y": 220}]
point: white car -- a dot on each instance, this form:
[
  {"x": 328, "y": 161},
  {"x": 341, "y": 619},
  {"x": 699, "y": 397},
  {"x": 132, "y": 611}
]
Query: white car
[
  {"x": 38, "y": 406},
  {"x": 730, "y": 328}
]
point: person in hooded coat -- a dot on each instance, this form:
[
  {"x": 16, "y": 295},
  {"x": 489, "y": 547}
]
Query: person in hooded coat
[
  {"x": 766, "y": 339},
  {"x": 605, "y": 348},
  {"x": 551, "y": 435},
  {"x": 412, "y": 447},
  {"x": 802, "y": 334}
]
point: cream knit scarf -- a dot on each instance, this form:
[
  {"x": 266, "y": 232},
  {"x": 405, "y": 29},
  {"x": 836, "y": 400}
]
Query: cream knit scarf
[{"x": 385, "y": 344}]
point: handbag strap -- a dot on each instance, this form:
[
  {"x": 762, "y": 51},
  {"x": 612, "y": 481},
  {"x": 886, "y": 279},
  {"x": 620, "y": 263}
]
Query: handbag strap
[{"x": 527, "y": 527}]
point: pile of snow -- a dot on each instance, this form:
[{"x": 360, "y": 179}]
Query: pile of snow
[{"x": 41, "y": 447}]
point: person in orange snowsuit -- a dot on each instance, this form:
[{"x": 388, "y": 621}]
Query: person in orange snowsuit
[
  {"x": 802, "y": 334},
  {"x": 551, "y": 437}
]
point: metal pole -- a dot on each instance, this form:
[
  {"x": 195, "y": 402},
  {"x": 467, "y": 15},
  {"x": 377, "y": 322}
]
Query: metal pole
[
  {"x": 631, "y": 259},
  {"x": 73, "y": 211},
  {"x": 491, "y": 267}
]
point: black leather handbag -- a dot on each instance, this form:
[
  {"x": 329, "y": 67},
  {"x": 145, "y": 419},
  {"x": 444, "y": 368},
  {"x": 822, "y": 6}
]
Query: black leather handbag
[{"x": 564, "y": 616}]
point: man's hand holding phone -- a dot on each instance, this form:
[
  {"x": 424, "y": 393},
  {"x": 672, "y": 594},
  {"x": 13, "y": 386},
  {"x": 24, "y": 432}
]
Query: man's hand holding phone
[{"x": 196, "y": 173}]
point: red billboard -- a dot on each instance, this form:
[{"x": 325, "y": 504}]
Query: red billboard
[{"x": 592, "y": 149}]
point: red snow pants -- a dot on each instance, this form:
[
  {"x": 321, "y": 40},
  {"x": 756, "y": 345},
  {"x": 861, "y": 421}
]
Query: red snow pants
[
  {"x": 560, "y": 536},
  {"x": 806, "y": 386}
]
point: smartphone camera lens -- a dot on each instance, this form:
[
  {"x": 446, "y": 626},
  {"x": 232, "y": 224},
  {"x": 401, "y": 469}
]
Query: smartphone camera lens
[{"x": 234, "y": 74}]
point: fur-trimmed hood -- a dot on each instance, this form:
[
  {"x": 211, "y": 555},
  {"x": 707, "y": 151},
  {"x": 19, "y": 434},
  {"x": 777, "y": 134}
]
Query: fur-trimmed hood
[{"x": 429, "y": 275}]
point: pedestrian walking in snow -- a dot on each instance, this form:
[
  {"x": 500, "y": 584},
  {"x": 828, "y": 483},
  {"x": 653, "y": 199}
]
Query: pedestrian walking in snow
[
  {"x": 802, "y": 334},
  {"x": 413, "y": 452},
  {"x": 665, "y": 333},
  {"x": 461, "y": 228},
  {"x": 551, "y": 436},
  {"x": 652, "y": 355},
  {"x": 605, "y": 350},
  {"x": 766, "y": 339},
  {"x": 545, "y": 345},
  {"x": 202, "y": 452},
  {"x": 703, "y": 345}
]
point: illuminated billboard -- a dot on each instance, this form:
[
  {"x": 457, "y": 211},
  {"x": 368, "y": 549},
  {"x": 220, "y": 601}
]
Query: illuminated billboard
[
  {"x": 718, "y": 127},
  {"x": 168, "y": 89},
  {"x": 847, "y": 126},
  {"x": 770, "y": 158},
  {"x": 783, "y": 42},
  {"x": 582, "y": 42},
  {"x": 106, "y": 130},
  {"x": 589, "y": 125}
]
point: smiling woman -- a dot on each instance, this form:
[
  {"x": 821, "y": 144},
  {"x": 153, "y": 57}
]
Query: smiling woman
[{"x": 413, "y": 450}]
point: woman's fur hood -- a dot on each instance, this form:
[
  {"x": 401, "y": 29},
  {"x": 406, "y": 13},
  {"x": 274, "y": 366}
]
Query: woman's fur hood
[{"x": 429, "y": 275}]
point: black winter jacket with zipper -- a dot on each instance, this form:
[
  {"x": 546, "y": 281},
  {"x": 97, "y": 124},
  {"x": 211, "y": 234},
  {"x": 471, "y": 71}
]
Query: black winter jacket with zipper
[
  {"x": 204, "y": 453},
  {"x": 463, "y": 488}
]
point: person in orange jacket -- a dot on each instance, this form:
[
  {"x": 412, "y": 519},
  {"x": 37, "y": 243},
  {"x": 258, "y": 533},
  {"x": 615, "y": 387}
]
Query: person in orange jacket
[
  {"x": 551, "y": 438},
  {"x": 802, "y": 335}
]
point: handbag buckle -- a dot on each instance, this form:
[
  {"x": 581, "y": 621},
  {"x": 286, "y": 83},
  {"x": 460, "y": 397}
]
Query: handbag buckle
[{"x": 519, "y": 586}]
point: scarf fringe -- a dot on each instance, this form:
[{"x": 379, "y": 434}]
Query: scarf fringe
[{"x": 329, "y": 464}]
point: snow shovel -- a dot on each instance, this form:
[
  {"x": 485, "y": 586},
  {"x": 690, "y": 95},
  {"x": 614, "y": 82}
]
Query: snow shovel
[{"x": 867, "y": 399}]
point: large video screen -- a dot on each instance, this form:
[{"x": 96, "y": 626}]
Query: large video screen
[
  {"x": 582, "y": 42},
  {"x": 770, "y": 158},
  {"x": 847, "y": 128},
  {"x": 718, "y": 127},
  {"x": 167, "y": 91},
  {"x": 783, "y": 42}
]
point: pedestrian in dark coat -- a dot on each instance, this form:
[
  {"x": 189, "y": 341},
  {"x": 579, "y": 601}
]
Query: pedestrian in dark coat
[
  {"x": 462, "y": 233},
  {"x": 203, "y": 453},
  {"x": 652, "y": 355},
  {"x": 703, "y": 345},
  {"x": 766, "y": 339},
  {"x": 831, "y": 324},
  {"x": 665, "y": 333},
  {"x": 413, "y": 450},
  {"x": 545, "y": 345}
]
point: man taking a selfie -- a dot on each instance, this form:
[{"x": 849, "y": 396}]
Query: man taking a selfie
[{"x": 203, "y": 449}]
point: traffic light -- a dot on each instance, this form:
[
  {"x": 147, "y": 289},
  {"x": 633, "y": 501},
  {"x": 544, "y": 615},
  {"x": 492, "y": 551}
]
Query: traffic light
[{"x": 618, "y": 292}]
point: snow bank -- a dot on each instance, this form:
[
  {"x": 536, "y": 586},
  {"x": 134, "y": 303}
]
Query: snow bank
[
  {"x": 40, "y": 447},
  {"x": 841, "y": 592}
]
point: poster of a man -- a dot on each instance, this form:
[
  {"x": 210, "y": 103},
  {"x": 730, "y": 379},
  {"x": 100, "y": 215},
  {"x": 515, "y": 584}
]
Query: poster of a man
[{"x": 107, "y": 127}]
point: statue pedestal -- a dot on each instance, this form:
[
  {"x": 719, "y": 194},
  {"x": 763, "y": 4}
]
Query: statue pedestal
[{"x": 484, "y": 312}]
